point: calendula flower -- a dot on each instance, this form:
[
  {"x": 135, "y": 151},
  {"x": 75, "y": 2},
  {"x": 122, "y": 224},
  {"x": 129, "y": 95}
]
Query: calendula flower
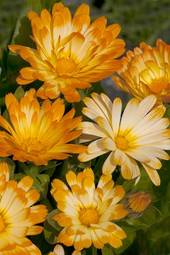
[
  {"x": 71, "y": 52},
  {"x": 86, "y": 212},
  {"x": 138, "y": 202},
  {"x": 138, "y": 134},
  {"x": 18, "y": 216},
  {"x": 146, "y": 71},
  {"x": 38, "y": 133}
]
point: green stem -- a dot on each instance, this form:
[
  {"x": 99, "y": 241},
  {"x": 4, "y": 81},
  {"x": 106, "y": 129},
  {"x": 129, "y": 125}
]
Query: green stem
[{"x": 94, "y": 251}]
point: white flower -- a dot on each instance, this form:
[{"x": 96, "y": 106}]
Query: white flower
[{"x": 137, "y": 134}]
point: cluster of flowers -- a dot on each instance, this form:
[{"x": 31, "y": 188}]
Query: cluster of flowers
[{"x": 72, "y": 53}]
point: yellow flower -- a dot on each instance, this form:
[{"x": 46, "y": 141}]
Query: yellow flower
[
  {"x": 38, "y": 133},
  {"x": 146, "y": 71},
  {"x": 138, "y": 134},
  {"x": 87, "y": 212},
  {"x": 71, "y": 52},
  {"x": 138, "y": 202},
  {"x": 18, "y": 216}
]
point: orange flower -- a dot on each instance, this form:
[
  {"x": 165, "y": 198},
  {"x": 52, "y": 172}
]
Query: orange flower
[
  {"x": 70, "y": 52},
  {"x": 38, "y": 133},
  {"x": 87, "y": 213},
  {"x": 18, "y": 216},
  {"x": 146, "y": 71}
]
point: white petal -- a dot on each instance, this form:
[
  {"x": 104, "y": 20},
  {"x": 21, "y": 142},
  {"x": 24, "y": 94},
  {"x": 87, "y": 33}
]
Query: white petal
[
  {"x": 154, "y": 163},
  {"x": 153, "y": 175},
  {"x": 146, "y": 105},
  {"x": 92, "y": 129},
  {"x": 83, "y": 157},
  {"x": 116, "y": 115},
  {"x": 129, "y": 167},
  {"x": 102, "y": 106},
  {"x": 58, "y": 250},
  {"x": 109, "y": 166},
  {"x": 107, "y": 102},
  {"x": 105, "y": 126},
  {"x": 95, "y": 146},
  {"x": 92, "y": 105},
  {"x": 87, "y": 138},
  {"x": 129, "y": 114},
  {"x": 109, "y": 144}
]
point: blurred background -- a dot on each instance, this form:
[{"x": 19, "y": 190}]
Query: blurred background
[{"x": 141, "y": 20}]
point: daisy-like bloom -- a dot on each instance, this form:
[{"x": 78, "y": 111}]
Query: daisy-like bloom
[
  {"x": 146, "y": 71},
  {"x": 18, "y": 215},
  {"x": 87, "y": 212},
  {"x": 38, "y": 133},
  {"x": 138, "y": 202},
  {"x": 138, "y": 134},
  {"x": 71, "y": 52}
]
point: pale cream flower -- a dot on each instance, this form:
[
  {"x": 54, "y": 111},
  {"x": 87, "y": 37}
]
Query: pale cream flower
[
  {"x": 138, "y": 134},
  {"x": 88, "y": 213}
]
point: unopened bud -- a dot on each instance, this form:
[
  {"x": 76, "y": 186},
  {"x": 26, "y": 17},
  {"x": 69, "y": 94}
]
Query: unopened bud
[{"x": 138, "y": 202}]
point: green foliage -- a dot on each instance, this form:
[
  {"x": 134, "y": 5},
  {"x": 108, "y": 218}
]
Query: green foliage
[{"x": 144, "y": 20}]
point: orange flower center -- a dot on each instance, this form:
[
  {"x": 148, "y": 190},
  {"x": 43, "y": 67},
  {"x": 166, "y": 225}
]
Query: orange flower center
[
  {"x": 89, "y": 216},
  {"x": 32, "y": 145},
  {"x": 65, "y": 66},
  {"x": 157, "y": 86},
  {"x": 2, "y": 224},
  {"x": 121, "y": 142}
]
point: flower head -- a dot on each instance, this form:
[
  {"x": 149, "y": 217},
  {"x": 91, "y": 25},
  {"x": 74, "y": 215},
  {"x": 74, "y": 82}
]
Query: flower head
[
  {"x": 38, "y": 133},
  {"x": 146, "y": 71},
  {"x": 87, "y": 212},
  {"x": 138, "y": 134},
  {"x": 71, "y": 52},
  {"x": 18, "y": 216}
]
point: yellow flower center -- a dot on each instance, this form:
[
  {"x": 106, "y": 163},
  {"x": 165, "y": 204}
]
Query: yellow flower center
[
  {"x": 121, "y": 142},
  {"x": 2, "y": 224},
  {"x": 157, "y": 86},
  {"x": 89, "y": 216}
]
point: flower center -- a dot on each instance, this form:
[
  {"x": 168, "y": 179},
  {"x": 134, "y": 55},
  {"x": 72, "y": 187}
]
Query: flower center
[
  {"x": 65, "y": 66},
  {"x": 89, "y": 216},
  {"x": 157, "y": 86},
  {"x": 2, "y": 224},
  {"x": 32, "y": 145},
  {"x": 121, "y": 142}
]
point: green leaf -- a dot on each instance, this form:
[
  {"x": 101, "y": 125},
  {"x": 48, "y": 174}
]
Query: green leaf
[
  {"x": 19, "y": 92},
  {"x": 91, "y": 251},
  {"x": 41, "y": 183},
  {"x": 34, "y": 5},
  {"x": 52, "y": 222},
  {"x": 131, "y": 234},
  {"x": 51, "y": 228},
  {"x": 107, "y": 250}
]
